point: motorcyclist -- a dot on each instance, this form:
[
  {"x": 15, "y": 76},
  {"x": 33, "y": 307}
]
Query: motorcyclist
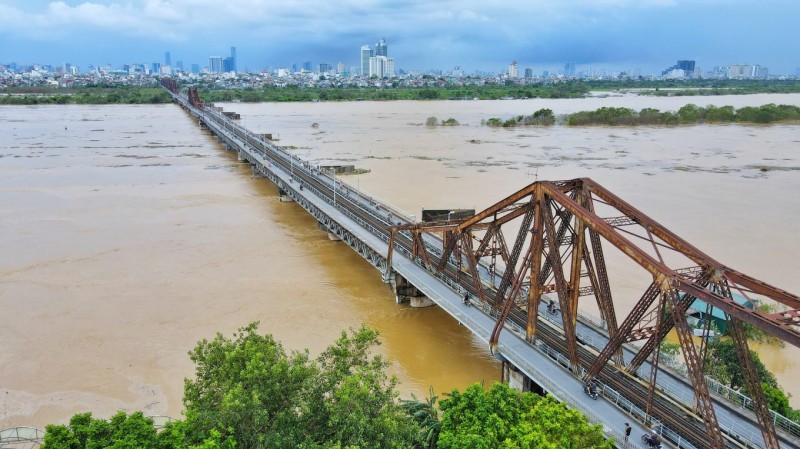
[
  {"x": 654, "y": 440},
  {"x": 590, "y": 388}
]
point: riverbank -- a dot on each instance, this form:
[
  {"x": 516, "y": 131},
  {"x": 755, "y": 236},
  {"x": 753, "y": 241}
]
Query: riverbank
[{"x": 427, "y": 88}]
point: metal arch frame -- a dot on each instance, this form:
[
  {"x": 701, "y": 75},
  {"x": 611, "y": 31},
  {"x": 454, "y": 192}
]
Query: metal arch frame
[{"x": 557, "y": 215}]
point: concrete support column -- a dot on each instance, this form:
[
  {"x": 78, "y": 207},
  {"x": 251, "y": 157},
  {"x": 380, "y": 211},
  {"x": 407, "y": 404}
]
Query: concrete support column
[
  {"x": 517, "y": 380},
  {"x": 405, "y": 291},
  {"x": 284, "y": 195}
]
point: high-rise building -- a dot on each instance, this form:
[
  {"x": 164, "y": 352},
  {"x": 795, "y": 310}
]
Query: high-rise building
[
  {"x": 381, "y": 49},
  {"x": 215, "y": 64},
  {"x": 687, "y": 66},
  {"x": 195, "y": 68},
  {"x": 569, "y": 69},
  {"x": 528, "y": 73},
  {"x": 513, "y": 72},
  {"x": 179, "y": 65},
  {"x": 307, "y": 66},
  {"x": 155, "y": 68},
  {"x": 381, "y": 66},
  {"x": 228, "y": 65},
  {"x": 324, "y": 67},
  {"x": 340, "y": 68},
  {"x": 234, "y": 61},
  {"x": 366, "y": 54},
  {"x": 167, "y": 58},
  {"x": 294, "y": 68}
]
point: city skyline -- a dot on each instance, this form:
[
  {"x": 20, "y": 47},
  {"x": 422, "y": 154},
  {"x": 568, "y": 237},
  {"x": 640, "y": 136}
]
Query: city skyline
[{"x": 620, "y": 35}]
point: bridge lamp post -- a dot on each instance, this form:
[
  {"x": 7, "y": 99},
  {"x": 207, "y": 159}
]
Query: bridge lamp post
[
  {"x": 333, "y": 171},
  {"x": 246, "y": 142}
]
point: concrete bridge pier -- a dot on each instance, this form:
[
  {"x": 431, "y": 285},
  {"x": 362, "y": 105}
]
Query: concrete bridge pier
[
  {"x": 518, "y": 380},
  {"x": 284, "y": 195},
  {"x": 406, "y": 291}
]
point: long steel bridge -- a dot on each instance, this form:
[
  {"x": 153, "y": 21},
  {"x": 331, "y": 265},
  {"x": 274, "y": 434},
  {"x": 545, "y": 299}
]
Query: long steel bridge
[{"x": 557, "y": 231}]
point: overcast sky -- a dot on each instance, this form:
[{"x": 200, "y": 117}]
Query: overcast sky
[{"x": 430, "y": 34}]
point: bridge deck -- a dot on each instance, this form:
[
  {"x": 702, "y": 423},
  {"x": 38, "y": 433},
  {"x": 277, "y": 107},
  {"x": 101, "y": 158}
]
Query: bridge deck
[{"x": 545, "y": 366}]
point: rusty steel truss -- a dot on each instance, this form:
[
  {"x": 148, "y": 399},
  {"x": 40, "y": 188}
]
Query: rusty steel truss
[{"x": 556, "y": 230}]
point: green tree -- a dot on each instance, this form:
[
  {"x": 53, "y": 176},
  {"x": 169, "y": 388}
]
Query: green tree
[
  {"x": 122, "y": 431},
  {"x": 777, "y": 400},
  {"x": 723, "y": 365},
  {"x": 426, "y": 416},
  {"x": 723, "y": 114},
  {"x": 503, "y": 417},
  {"x": 248, "y": 388}
]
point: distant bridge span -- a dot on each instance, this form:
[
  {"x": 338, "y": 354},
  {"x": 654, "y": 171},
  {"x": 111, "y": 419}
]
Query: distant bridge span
[{"x": 557, "y": 229}]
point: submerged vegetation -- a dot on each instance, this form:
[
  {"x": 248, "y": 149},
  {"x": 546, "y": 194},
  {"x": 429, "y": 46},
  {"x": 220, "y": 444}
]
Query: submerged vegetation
[
  {"x": 689, "y": 114},
  {"x": 86, "y": 95},
  {"x": 542, "y": 117}
]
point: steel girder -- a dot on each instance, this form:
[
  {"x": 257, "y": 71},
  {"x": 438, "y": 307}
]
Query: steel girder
[{"x": 551, "y": 253}]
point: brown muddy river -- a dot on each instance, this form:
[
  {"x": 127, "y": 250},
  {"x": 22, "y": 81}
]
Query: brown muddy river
[{"x": 127, "y": 234}]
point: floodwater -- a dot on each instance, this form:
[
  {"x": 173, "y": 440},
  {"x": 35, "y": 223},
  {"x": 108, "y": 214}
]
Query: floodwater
[{"x": 127, "y": 234}]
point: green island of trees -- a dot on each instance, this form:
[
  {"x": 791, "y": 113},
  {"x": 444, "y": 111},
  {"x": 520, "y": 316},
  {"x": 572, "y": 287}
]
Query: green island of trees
[
  {"x": 86, "y": 95},
  {"x": 688, "y": 114},
  {"x": 248, "y": 392}
]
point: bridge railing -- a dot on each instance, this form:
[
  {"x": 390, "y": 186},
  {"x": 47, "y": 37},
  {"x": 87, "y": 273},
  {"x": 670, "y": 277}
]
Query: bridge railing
[{"x": 732, "y": 395}]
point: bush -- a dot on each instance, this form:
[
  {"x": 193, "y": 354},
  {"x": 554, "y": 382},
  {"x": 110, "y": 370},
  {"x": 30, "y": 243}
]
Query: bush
[{"x": 431, "y": 121}]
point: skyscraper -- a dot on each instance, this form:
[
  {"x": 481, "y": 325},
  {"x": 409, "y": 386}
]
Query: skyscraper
[
  {"x": 195, "y": 68},
  {"x": 234, "y": 61},
  {"x": 167, "y": 58},
  {"x": 687, "y": 66},
  {"x": 381, "y": 66},
  {"x": 381, "y": 49},
  {"x": 513, "y": 71},
  {"x": 215, "y": 64},
  {"x": 228, "y": 65},
  {"x": 366, "y": 53},
  {"x": 569, "y": 69},
  {"x": 307, "y": 66}
]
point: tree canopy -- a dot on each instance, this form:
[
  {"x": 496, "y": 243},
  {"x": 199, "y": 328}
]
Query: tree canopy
[
  {"x": 248, "y": 388},
  {"x": 504, "y": 418}
]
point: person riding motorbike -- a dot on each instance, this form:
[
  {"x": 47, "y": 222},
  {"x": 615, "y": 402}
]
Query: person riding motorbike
[{"x": 653, "y": 440}]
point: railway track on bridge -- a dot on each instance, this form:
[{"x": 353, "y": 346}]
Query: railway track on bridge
[
  {"x": 381, "y": 218},
  {"x": 666, "y": 410}
]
